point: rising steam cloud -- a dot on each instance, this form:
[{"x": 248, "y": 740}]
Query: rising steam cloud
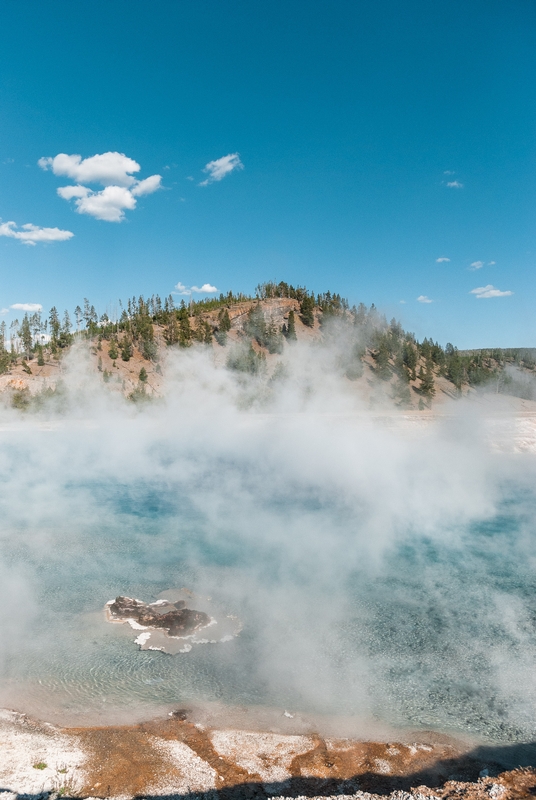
[{"x": 371, "y": 560}]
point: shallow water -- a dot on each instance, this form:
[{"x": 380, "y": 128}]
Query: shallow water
[
  {"x": 377, "y": 575},
  {"x": 437, "y": 634}
]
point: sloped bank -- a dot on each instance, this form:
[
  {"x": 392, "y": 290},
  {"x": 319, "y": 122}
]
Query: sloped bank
[{"x": 174, "y": 757}]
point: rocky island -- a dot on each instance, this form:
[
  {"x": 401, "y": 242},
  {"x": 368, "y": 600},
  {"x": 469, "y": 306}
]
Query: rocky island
[{"x": 168, "y": 624}]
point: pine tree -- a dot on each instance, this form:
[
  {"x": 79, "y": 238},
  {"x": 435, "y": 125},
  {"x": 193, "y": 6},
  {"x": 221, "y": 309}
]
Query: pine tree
[
  {"x": 171, "y": 331},
  {"x": 65, "y": 336},
  {"x": 381, "y": 356},
  {"x": 26, "y": 336},
  {"x": 274, "y": 339},
  {"x": 307, "y": 306},
  {"x": 126, "y": 348},
  {"x": 54, "y": 325},
  {"x": 224, "y": 320},
  {"x": 4, "y": 355},
  {"x": 40, "y": 356},
  {"x": 255, "y": 325},
  {"x": 185, "y": 332},
  {"x": 291, "y": 327},
  {"x": 426, "y": 378},
  {"x": 143, "y": 375},
  {"x": 112, "y": 350}
]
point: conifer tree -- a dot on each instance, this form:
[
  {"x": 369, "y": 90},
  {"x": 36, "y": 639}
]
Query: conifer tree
[
  {"x": 381, "y": 356},
  {"x": 274, "y": 339},
  {"x": 291, "y": 327},
  {"x": 171, "y": 331},
  {"x": 426, "y": 378},
  {"x": 143, "y": 375},
  {"x": 224, "y": 320},
  {"x": 307, "y": 306},
  {"x": 126, "y": 348},
  {"x": 112, "y": 350},
  {"x": 185, "y": 331},
  {"x": 4, "y": 355},
  {"x": 26, "y": 336},
  {"x": 65, "y": 336},
  {"x": 54, "y": 326},
  {"x": 409, "y": 355}
]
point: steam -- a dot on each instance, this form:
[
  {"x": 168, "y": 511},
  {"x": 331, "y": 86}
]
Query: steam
[{"x": 380, "y": 567}]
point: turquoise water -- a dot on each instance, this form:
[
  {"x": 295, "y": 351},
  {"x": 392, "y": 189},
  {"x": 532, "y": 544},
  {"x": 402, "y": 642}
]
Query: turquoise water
[
  {"x": 434, "y": 632},
  {"x": 375, "y": 574}
]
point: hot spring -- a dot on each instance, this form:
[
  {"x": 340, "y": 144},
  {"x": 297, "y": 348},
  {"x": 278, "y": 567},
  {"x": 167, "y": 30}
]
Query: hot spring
[{"x": 377, "y": 572}]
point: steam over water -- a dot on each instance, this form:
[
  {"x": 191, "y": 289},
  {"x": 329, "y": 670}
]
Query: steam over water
[{"x": 378, "y": 571}]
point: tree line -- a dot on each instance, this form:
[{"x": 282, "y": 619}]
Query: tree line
[{"x": 397, "y": 356}]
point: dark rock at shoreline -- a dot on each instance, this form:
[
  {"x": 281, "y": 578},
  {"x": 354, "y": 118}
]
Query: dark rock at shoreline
[{"x": 174, "y": 618}]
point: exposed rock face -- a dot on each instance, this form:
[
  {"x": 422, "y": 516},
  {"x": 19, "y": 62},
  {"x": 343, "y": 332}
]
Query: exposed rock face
[{"x": 174, "y": 618}]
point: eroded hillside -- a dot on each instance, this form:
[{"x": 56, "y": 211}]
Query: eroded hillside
[{"x": 252, "y": 336}]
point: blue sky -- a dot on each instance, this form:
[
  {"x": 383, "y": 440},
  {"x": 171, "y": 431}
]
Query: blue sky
[{"x": 345, "y": 123}]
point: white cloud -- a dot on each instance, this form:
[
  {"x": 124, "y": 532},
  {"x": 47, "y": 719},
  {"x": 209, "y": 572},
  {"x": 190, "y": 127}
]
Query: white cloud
[
  {"x": 403, "y": 302},
  {"x": 4, "y": 311},
  {"x": 455, "y": 185},
  {"x": 108, "y": 204},
  {"x": 483, "y": 292},
  {"x": 449, "y": 172},
  {"x": 491, "y": 263},
  {"x": 147, "y": 186},
  {"x": 27, "y": 306},
  {"x": 113, "y": 171},
  {"x": 182, "y": 289},
  {"x": 105, "y": 168},
  {"x": 442, "y": 260},
  {"x": 206, "y": 288},
  {"x": 31, "y": 234},
  {"x": 477, "y": 265},
  {"x": 423, "y": 299},
  {"x": 218, "y": 169}
]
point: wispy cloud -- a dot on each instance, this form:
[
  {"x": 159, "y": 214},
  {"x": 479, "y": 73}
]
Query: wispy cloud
[
  {"x": 206, "y": 288},
  {"x": 31, "y": 234},
  {"x": 476, "y": 265},
  {"x": 484, "y": 292},
  {"x": 449, "y": 172},
  {"x": 442, "y": 260},
  {"x": 455, "y": 185},
  {"x": 218, "y": 169},
  {"x": 423, "y": 299},
  {"x": 113, "y": 171},
  {"x": 27, "y": 307},
  {"x": 491, "y": 263}
]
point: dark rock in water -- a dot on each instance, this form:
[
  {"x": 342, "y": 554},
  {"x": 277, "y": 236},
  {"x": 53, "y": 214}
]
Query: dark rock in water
[
  {"x": 180, "y": 714},
  {"x": 174, "y": 618}
]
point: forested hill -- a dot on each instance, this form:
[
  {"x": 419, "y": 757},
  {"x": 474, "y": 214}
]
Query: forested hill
[{"x": 252, "y": 336}]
